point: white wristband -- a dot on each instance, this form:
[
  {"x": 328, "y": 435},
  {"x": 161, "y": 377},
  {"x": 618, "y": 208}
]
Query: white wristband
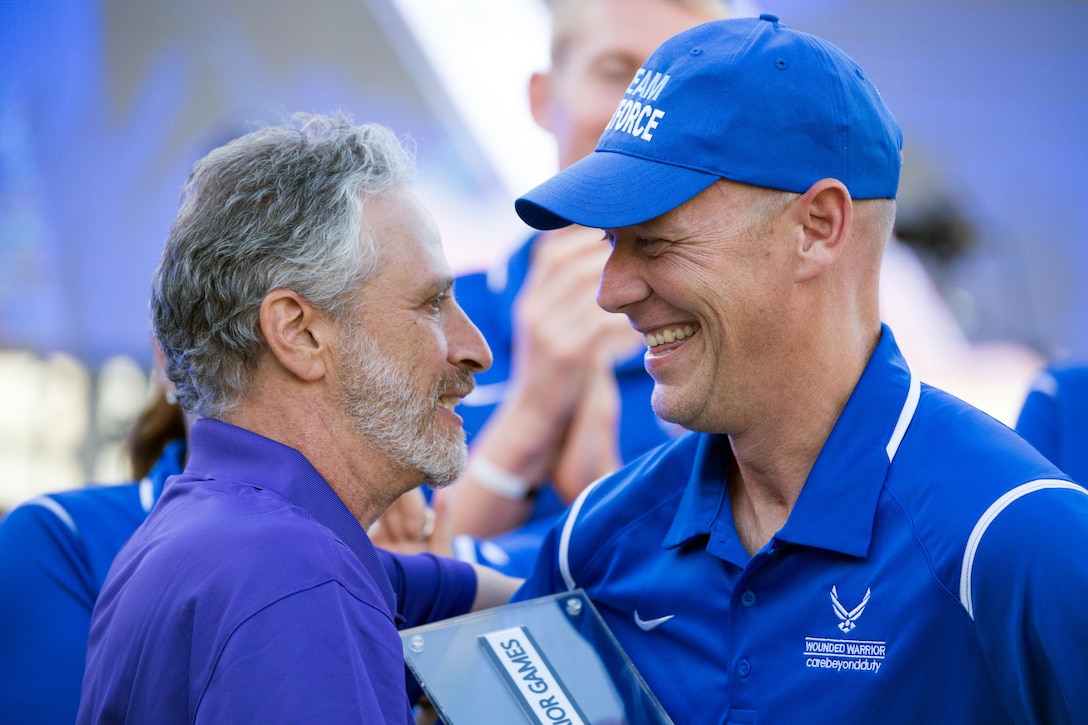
[{"x": 498, "y": 480}]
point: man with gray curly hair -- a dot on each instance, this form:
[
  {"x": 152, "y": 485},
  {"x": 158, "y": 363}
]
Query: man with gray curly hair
[{"x": 304, "y": 307}]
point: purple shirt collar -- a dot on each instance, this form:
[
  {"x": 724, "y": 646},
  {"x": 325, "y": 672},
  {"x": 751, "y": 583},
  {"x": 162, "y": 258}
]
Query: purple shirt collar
[{"x": 221, "y": 451}]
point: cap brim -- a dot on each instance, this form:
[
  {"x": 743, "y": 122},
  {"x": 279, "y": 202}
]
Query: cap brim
[{"x": 608, "y": 190}]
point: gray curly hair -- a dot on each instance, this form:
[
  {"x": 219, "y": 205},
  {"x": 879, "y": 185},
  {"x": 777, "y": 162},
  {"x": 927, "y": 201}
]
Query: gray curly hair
[{"x": 281, "y": 207}]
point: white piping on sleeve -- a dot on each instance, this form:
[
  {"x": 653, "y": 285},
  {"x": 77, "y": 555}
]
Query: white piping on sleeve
[
  {"x": 490, "y": 394},
  {"x": 147, "y": 494},
  {"x": 1046, "y": 384},
  {"x": 568, "y": 530},
  {"x": 464, "y": 549},
  {"x": 984, "y": 522},
  {"x": 496, "y": 277},
  {"x": 910, "y": 405},
  {"x": 59, "y": 511}
]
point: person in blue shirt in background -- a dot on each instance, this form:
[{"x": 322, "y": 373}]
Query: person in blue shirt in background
[
  {"x": 567, "y": 399},
  {"x": 834, "y": 541},
  {"x": 55, "y": 551},
  {"x": 1054, "y": 417}
]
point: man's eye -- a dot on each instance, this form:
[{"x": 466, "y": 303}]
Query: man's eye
[
  {"x": 616, "y": 72},
  {"x": 436, "y": 303},
  {"x": 651, "y": 247}
]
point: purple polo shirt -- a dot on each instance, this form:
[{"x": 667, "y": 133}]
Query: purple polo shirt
[{"x": 252, "y": 594}]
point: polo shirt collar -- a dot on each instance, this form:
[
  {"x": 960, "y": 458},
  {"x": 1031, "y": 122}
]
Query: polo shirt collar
[
  {"x": 706, "y": 495},
  {"x": 223, "y": 451},
  {"x": 837, "y": 505}
]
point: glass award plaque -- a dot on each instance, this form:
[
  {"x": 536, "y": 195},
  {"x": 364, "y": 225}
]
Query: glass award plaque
[{"x": 545, "y": 661}]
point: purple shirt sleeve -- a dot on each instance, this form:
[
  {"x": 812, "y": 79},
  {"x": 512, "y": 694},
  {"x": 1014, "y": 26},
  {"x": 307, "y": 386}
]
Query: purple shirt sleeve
[{"x": 428, "y": 587}]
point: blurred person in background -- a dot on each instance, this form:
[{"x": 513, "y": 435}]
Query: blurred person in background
[
  {"x": 1054, "y": 417},
  {"x": 55, "y": 551},
  {"x": 933, "y": 232}
]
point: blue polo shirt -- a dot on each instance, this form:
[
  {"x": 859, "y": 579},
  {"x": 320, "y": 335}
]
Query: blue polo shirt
[
  {"x": 1054, "y": 418},
  {"x": 251, "y": 594},
  {"x": 931, "y": 571},
  {"x": 55, "y": 551},
  {"x": 488, "y": 299}
]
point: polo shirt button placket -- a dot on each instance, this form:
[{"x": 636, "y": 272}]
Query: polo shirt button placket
[{"x": 747, "y": 599}]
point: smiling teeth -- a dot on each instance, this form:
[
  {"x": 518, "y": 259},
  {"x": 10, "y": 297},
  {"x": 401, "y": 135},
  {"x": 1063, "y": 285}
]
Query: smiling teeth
[
  {"x": 653, "y": 340},
  {"x": 449, "y": 402}
]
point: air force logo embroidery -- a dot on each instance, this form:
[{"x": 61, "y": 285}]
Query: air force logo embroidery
[
  {"x": 845, "y": 654},
  {"x": 849, "y": 619}
]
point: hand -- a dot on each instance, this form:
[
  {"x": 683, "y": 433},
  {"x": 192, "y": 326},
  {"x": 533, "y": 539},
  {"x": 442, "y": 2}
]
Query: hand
[
  {"x": 591, "y": 448},
  {"x": 560, "y": 335},
  {"x": 409, "y": 526},
  {"x": 564, "y": 346}
]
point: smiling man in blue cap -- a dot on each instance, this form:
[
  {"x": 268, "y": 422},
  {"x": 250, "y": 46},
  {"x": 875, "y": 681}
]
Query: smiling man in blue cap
[{"x": 835, "y": 541}]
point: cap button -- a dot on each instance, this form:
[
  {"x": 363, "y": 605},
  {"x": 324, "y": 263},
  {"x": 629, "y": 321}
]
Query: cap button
[{"x": 769, "y": 17}]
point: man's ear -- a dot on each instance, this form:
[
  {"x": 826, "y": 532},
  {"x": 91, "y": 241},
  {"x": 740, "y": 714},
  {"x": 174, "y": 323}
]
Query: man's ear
[
  {"x": 297, "y": 334},
  {"x": 825, "y": 213},
  {"x": 540, "y": 99}
]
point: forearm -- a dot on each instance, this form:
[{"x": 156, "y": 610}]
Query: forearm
[
  {"x": 591, "y": 448},
  {"x": 430, "y": 587},
  {"x": 480, "y": 512},
  {"x": 514, "y": 453},
  {"x": 525, "y": 434},
  {"x": 492, "y": 588}
]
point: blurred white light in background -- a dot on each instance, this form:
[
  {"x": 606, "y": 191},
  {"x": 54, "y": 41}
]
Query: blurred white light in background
[
  {"x": 484, "y": 51},
  {"x": 123, "y": 390},
  {"x": 43, "y": 421}
]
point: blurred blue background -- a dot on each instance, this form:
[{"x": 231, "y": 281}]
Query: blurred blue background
[{"x": 992, "y": 96}]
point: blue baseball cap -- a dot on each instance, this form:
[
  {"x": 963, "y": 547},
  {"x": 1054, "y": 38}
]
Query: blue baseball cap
[{"x": 747, "y": 99}]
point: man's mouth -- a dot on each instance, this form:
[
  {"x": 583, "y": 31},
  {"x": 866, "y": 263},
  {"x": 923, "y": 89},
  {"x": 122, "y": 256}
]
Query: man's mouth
[
  {"x": 453, "y": 388},
  {"x": 670, "y": 334},
  {"x": 449, "y": 402},
  {"x": 455, "y": 392}
]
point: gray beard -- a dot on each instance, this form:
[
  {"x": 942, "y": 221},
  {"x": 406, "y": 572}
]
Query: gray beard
[{"x": 385, "y": 408}]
